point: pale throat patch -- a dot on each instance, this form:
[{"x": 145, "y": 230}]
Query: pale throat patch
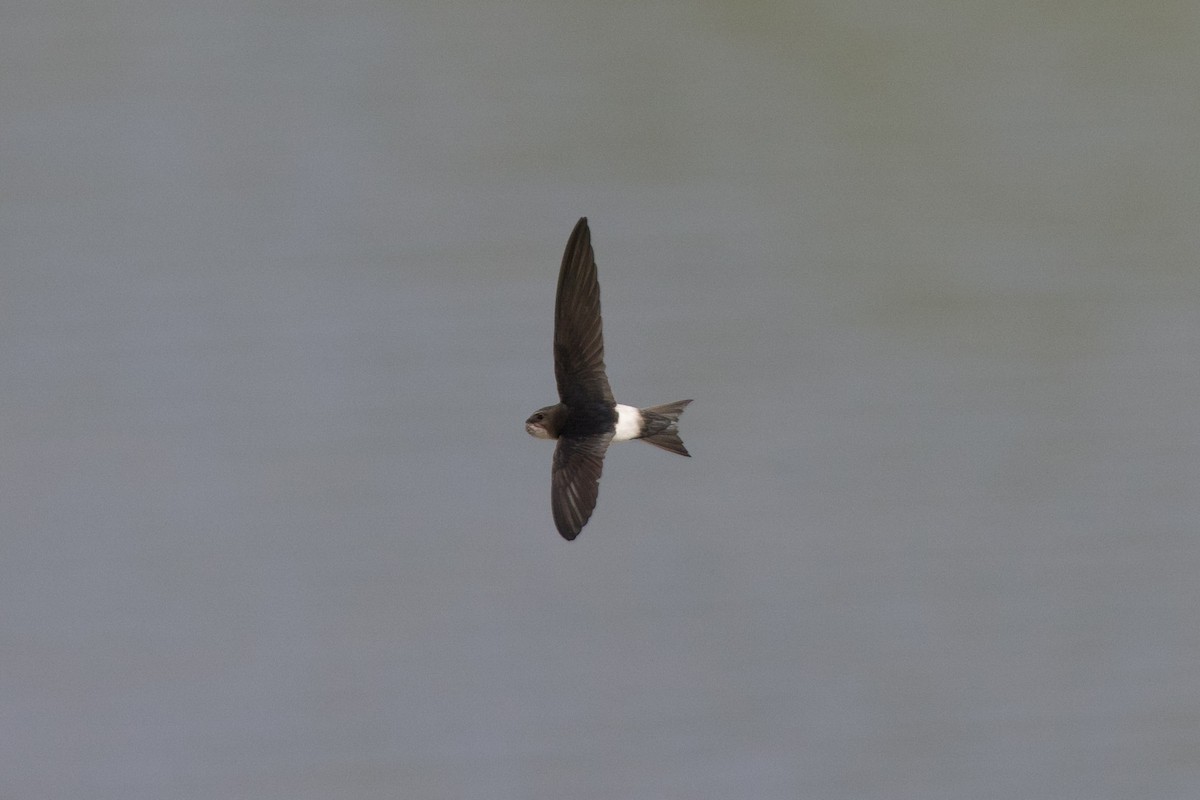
[
  {"x": 537, "y": 432},
  {"x": 629, "y": 423}
]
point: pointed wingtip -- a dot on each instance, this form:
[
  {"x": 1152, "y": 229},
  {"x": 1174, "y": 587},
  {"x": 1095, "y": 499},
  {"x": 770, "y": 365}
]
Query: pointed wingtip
[{"x": 578, "y": 243}]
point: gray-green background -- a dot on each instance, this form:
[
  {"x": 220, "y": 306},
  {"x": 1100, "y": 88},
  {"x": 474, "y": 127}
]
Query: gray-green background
[{"x": 276, "y": 289}]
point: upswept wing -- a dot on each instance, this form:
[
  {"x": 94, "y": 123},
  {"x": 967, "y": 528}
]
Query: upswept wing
[{"x": 578, "y": 331}]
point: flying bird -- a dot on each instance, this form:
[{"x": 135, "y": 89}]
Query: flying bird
[{"x": 586, "y": 418}]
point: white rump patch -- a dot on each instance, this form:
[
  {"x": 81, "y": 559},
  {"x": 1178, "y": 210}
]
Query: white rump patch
[{"x": 629, "y": 423}]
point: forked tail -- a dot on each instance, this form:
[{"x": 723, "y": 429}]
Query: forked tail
[{"x": 662, "y": 426}]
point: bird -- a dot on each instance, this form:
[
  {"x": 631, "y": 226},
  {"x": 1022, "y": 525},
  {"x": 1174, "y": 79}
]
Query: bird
[{"x": 587, "y": 418}]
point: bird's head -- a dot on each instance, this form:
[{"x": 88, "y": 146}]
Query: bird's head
[{"x": 544, "y": 423}]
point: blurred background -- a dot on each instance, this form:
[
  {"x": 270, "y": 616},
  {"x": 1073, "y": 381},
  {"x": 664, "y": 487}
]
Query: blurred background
[{"x": 276, "y": 296}]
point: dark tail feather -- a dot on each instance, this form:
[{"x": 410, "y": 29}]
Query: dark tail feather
[{"x": 662, "y": 424}]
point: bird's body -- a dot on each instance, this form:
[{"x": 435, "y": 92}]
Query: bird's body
[{"x": 587, "y": 418}]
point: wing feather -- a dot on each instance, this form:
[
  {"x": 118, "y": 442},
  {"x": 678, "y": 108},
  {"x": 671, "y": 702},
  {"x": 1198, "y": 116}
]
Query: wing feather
[
  {"x": 575, "y": 481},
  {"x": 578, "y": 329}
]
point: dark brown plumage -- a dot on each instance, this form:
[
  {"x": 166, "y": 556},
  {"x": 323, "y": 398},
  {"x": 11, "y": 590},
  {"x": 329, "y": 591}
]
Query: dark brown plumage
[{"x": 586, "y": 419}]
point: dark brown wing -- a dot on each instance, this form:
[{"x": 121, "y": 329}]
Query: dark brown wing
[
  {"x": 575, "y": 481},
  {"x": 578, "y": 333}
]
